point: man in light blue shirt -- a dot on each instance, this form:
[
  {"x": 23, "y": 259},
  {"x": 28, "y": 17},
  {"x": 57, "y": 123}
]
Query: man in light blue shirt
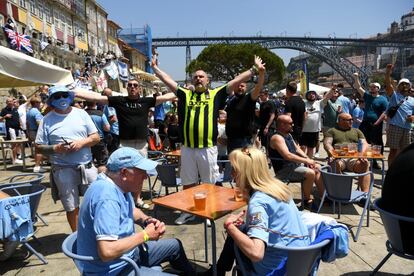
[
  {"x": 344, "y": 102},
  {"x": 358, "y": 114},
  {"x": 67, "y": 134},
  {"x": 106, "y": 222},
  {"x": 398, "y": 134},
  {"x": 33, "y": 119}
]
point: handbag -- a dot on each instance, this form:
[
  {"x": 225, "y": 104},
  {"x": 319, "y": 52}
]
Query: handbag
[{"x": 393, "y": 109}]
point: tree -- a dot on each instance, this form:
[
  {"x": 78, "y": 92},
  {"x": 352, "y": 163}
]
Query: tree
[{"x": 224, "y": 62}]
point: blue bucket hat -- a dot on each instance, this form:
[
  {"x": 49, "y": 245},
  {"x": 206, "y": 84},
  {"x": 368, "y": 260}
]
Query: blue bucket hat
[
  {"x": 126, "y": 157},
  {"x": 59, "y": 89}
]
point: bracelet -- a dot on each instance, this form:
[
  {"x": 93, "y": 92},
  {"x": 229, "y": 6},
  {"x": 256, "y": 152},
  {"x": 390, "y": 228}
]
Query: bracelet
[
  {"x": 226, "y": 225},
  {"x": 146, "y": 237},
  {"x": 254, "y": 70}
]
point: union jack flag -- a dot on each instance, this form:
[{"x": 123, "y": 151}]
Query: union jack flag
[{"x": 18, "y": 41}]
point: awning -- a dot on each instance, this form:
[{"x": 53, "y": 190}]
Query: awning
[
  {"x": 18, "y": 69},
  {"x": 145, "y": 76}
]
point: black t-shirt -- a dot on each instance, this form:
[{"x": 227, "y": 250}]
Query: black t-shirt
[
  {"x": 240, "y": 116},
  {"x": 14, "y": 121},
  {"x": 296, "y": 106},
  {"x": 132, "y": 116},
  {"x": 398, "y": 191},
  {"x": 266, "y": 109}
]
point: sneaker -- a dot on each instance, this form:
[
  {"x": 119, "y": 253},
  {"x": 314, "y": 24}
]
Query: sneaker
[
  {"x": 376, "y": 166},
  {"x": 141, "y": 204},
  {"x": 311, "y": 205},
  {"x": 183, "y": 218},
  {"x": 38, "y": 169},
  {"x": 18, "y": 161},
  {"x": 317, "y": 155},
  {"x": 8, "y": 249}
]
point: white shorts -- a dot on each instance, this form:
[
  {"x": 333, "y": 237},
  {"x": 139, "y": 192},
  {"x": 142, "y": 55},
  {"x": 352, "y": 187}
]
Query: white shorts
[
  {"x": 198, "y": 165},
  {"x": 139, "y": 145}
]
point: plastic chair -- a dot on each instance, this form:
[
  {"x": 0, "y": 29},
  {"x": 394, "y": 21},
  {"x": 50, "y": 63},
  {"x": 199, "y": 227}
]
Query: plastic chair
[
  {"x": 152, "y": 173},
  {"x": 167, "y": 176},
  {"x": 338, "y": 188},
  {"x": 225, "y": 175},
  {"x": 300, "y": 260},
  {"x": 70, "y": 250},
  {"x": 35, "y": 193},
  {"x": 6, "y": 151},
  {"x": 26, "y": 178},
  {"x": 395, "y": 243}
]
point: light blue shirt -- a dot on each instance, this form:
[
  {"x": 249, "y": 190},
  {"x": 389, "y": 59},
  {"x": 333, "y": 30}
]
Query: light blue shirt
[
  {"x": 100, "y": 122},
  {"x": 74, "y": 126},
  {"x": 274, "y": 222},
  {"x": 32, "y": 117},
  {"x": 109, "y": 112},
  {"x": 106, "y": 213},
  {"x": 406, "y": 109},
  {"x": 358, "y": 113},
  {"x": 345, "y": 103},
  {"x": 16, "y": 223}
]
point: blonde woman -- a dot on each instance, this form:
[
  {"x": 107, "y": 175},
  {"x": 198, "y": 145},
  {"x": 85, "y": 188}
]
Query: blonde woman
[{"x": 272, "y": 217}]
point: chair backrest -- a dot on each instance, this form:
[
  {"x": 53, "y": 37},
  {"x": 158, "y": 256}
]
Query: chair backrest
[
  {"x": 338, "y": 186},
  {"x": 394, "y": 226},
  {"x": 33, "y": 191},
  {"x": 167, "y": 174},
  {"x": 155, "y": 154},
  {"x": 300, "y": 260},
  {"x": 25, "y": 178},
  {"x": 70, "y": 250}
]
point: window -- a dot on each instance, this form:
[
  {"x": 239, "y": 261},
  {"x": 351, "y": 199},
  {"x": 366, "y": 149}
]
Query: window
[
  {"x": 40, "y": 8},
  {"x": 23, "y": 4},
  {"x": 33, "y": 7},
  {"x": 47, "y": 14}
]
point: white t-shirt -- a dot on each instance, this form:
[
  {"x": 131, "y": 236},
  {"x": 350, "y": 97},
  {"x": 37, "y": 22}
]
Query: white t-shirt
[
  {"x": 314, "y": 117},
  {"x": 222, "y": 149}
]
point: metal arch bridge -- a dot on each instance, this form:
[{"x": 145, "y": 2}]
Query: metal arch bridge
[{"x": 316, "y": 46}]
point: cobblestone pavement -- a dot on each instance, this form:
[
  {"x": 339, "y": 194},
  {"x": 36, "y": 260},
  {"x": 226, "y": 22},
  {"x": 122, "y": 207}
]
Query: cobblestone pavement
[{"x": 364, "y": 255}]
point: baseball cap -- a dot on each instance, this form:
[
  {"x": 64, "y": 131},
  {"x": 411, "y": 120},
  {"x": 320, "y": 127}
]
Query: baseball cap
[
  {"x": 405, "y": 81},
  {"x": 377, "y": 85},
  {"x": 59, "y": 89},
  {"x": 126, "y": 157}
]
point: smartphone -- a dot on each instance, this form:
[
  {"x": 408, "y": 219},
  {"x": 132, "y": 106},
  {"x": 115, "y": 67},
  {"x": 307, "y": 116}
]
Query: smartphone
[{"x": 65, "y": 141}]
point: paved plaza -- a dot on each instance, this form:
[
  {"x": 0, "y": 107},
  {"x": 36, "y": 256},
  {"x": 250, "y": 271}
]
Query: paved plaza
[{"x": 363, "y": 256}]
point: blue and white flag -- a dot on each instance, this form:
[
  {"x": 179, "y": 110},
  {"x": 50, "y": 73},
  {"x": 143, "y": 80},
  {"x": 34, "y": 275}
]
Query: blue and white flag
[
  {"x": 112, "y": 70},
  {"x": 123, "y": 71}
]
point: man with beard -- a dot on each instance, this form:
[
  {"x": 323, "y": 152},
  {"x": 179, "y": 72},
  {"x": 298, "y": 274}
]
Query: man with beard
[
  {"x": 398, "y": 134},
  {"x": 240, "y": 112},
  {"x": 331, "y": 110},
  {"x": 198, "y": 112},
  {"x": 375, "y": 105},
  {"x": 343, "y": 133},
  {"x": 10, "y": 115},
  {"x": 312, "y": 125}
]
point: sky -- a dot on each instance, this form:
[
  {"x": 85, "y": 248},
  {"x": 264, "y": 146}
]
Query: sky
[{"x": 320, "y": 18}]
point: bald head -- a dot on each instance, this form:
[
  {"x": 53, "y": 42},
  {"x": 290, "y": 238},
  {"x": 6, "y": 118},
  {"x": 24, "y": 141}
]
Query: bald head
[
  {"x": 284, "y": 124},
  {"x": 283, "y": 119},
  {"x": 345, "y": 121}
]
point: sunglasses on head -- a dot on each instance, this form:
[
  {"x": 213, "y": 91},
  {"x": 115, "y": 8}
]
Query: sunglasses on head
[
  {"x": 60, "y": 95},
  {"x": 246, "y": 151},
  {"x": 132, "y": 85}
]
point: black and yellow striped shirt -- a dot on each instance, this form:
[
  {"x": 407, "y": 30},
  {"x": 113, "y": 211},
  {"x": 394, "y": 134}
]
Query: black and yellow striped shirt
[{"x": 198, "y": 113}]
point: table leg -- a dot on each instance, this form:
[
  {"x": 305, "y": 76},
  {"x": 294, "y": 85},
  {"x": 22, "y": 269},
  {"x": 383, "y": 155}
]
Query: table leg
[
  {"x": 382, "y": 171},
  {"x": 4, "y": 156},
  {"x": 205, "y": 241},
  {"x": 23, "y": 155},
  {"x": 213, "y": 245}
]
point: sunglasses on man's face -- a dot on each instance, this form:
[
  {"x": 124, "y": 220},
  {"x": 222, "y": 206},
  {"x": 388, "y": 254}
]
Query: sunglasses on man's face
[
  {"x": 57, "y": 96},
  {"x": 130, "y": 85}
]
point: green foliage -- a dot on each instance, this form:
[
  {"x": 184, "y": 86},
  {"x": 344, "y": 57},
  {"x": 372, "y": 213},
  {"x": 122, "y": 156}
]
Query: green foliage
[{"x": 224, "y": 62}]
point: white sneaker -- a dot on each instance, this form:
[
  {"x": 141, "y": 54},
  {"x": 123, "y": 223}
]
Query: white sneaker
[
  {"x": 317, "y": 155},
  {"x": 38, "y": 169},
  {"x": 18, "y": 161},
  {"x": 183, "y": 218},
  {"x": 141, "y": 204},
  {"x": 9, "y": 248}
]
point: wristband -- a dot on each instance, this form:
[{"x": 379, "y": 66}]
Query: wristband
[
  {"x": 254, "y": 70},
  {"x": 146, "y": 237},
  {"x": 227, "y": 224}
]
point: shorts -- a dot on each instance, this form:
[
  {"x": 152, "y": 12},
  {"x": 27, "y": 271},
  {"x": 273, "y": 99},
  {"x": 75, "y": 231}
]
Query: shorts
[
  {"x": 139, "y": 145},
  {"x": 68, "y": 181},
  {"x": 309, "y": 139},
  {"x": 398, "y": 137},
  {"x": 199, "y": 165},
  {"x": 12, "y": 133},
  {"x": 345, "y": 164},
  {"x": 32, "y": 134},
  {"x": 292, "y": 172}
]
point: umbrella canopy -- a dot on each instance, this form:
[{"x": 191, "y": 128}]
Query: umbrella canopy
[
  {"x": 18, "y": 69},
  {"x": 317, "y": 88}
]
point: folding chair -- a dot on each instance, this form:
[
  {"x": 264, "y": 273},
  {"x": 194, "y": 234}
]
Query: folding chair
[
  {"x": 300, "y": 260},
  {"x": 26, "y": 178},
  {"x": 168, "y": 177},
  {"x": 338, "y": 188},
  {"x": 225, "y": 175},
  {"x": 393, "y": 225},
  {"x": 69, "y": 249},
  {"x": 34, "y": 193}
]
